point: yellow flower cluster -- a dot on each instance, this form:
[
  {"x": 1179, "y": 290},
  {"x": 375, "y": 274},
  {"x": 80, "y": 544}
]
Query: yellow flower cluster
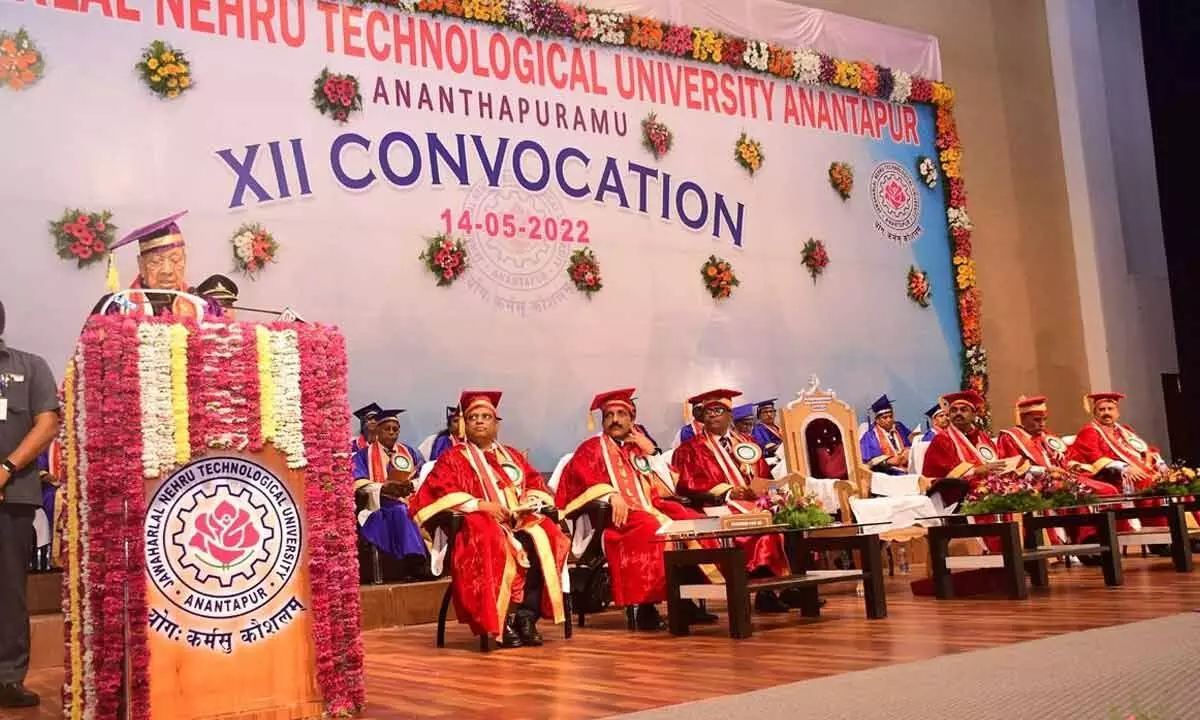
[
  {"x": 74, "y": 601},
  {"x": 179, "y": 393},
  {"x": 966, "y": 272},
  {"x": 167, "y": 73},
  {"x": 950, "y": 162},
  {"x": 846, "y": 74},
  {"x": 706, "y": 45},
  {"x": 749, "y": 153},
  {"x": 485, "y": 10},
  {"x": 943, "y": 96},
  {"x": 266, "y": 387}
]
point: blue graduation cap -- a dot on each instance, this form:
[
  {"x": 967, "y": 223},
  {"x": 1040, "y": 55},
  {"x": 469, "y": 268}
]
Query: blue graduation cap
[
  {"x": 161, "y": 234},
  {"x": 742, "y": 412},
  {"x": 764, "y": 404},
  {"x": 934, "y": 411},
  {"x": 882, "y": 405},
  {"x": 366, "y": 412},
  {"x": 451, "y": 412},
  {"x": 392, "y": 414}
]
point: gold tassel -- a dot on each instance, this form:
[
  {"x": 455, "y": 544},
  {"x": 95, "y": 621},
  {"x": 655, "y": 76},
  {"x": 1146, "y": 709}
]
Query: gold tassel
[
  {"x": 591, "y": 423},
  {"x": 462, "y": 425},
  {"x": 1017, "y": 408},
  {"x": 687, "y": 412},
  {"x": 112, "y": 282},
  {"x": 1087, "y": 404}
]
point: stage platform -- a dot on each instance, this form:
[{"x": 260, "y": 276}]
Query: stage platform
[{"x": 605, "y": 670}]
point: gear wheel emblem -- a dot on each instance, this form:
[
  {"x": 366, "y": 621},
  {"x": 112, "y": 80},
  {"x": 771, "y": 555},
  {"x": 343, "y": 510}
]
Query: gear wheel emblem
[{"x": 226, "y": 541}]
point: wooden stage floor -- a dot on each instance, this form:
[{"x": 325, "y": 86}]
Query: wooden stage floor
[{"x": 606, "y": 670}]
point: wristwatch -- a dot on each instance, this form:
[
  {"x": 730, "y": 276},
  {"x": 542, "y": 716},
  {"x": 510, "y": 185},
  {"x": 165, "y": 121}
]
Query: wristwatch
[{"x": 7, "y": 465}]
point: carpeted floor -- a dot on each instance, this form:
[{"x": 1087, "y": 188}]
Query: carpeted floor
[{"x": 1151, "y": 667}]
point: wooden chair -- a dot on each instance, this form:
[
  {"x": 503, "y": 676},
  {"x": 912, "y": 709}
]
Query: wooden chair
[{"x": 450, "y": 522}]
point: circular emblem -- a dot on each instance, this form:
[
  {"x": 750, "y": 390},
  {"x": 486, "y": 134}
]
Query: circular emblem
[
  {"x": 401, "y": 463},
  {"x": 520, "y": 245},
  {"x": 1056, "y": 444},
  {"x": 513, "y": 472},
  {"x": 896, "y": 202},
  {"x": 1138, "y": 444},
  {"x": 747, "y": 452},
  {"x": 988, "y": 454},
  {"x": 223, "y": 537},
  {"x": 641, "y": 463}
]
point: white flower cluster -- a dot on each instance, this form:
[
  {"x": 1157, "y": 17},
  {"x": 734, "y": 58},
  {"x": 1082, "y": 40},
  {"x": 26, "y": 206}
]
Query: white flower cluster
[
  {"x": 806, "y": 66},
  {"x": 85, "y": 607},
  {"x": 928, "y": 170},
  {"x": 958, "y": 218},
  {"x": 519, "y": 16},
  {"x": 158, "y": 417},
  {"x": 285, "y": 376},
  {"x": 606, "y": 27},
  {"x": 226, "y": 405},
  {"x": 901, "y": 86},
  {"x": 756, "y": 55},
  {"x": 977, "y": 360},
  {"x": 243, "y": 245}
]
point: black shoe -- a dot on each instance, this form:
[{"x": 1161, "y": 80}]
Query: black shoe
[
  {"x": 1090, "y": 560},
  {"x": 766, "y": 601},
  {"x": 511, "y": 638},
  {"x": 1161, "y": 550},
  {"x": 794, "y": 598},
  {"x": 527, "y": 631},
  {"x": 14, "y": 695},
  {"x": 647, "y": 618},
  {"x": 697, "y": 616}
]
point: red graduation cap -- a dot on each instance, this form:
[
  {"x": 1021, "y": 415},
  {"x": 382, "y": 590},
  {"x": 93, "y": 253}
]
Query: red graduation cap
[
  {"x": 970, "y": 397},
  {"x": 474, "y": 398},
  {"x": 722, "y": 397},
  {"x": 1035, "y": 405},
  {"x": 1090, "y": 400},
  {"x": 621, "y": 398}
]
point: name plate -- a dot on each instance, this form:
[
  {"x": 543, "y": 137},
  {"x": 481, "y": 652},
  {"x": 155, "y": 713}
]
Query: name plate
[{"x": 747, "y": 521}]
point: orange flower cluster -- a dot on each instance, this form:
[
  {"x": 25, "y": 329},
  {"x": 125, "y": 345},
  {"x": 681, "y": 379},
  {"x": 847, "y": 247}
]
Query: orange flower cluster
[
  {"x": 646, "y": 33},
  {"x": 20, "y": 62},
  {"x": 841, "y": 177},
  {"x": 719, "y": 278},
  {"x": 868, "y": 78},
  {"x": 779, "y": 61}
]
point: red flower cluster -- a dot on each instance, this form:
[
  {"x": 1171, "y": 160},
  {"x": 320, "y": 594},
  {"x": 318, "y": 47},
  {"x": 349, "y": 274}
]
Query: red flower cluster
[
  {"x": 918, "y": 286},
  {"x": 656, "y": 136},
  {"x": 336, "y": 95},
  {"x": 584, "y": 271},
  {"x": 733, "y": 52},
  {"x": 815, "y": 258},
  {"x": 82, "y": 236},
  {"x": 445, "y": 257}
]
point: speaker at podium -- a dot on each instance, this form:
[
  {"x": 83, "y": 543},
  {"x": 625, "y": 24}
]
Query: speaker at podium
[{"x": 210, "y": 565}]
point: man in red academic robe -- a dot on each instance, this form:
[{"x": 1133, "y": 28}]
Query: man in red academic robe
[
  {"x": 962, "y": 454},
  {"x": 724, "y": 463},
  {"x": 1113, "y": 451},
  {"x": 1043, "y": 452},
  {"x": 615, "y": 466},
  {"x": 508, "y": 559}
]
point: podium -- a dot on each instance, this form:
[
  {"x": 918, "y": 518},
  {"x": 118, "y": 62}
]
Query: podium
[{"x": 210, "y": 564}]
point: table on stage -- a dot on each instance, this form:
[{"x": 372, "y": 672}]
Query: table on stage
[
  {"x": 1174, "y": 509},
  {"x": 1025, "y": 554},
  {"x": 800, "y": 544}
]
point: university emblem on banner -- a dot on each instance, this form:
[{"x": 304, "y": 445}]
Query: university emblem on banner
[
  {"x": 223, "y": 539},
  {"x": 896, "y": 202}
]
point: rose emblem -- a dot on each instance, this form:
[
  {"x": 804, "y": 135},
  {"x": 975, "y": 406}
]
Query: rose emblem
[
  {"x": 226, "y": 534},
  {"x": 895, "y": 195}
]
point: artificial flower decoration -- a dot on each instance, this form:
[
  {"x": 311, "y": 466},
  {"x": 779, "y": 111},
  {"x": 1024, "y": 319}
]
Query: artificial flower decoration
[
  {"x": 82, "y": 236},
  {"x": 815, "y": 258},
  {"x": 841, "y": 178},
  {"x": 656, "y": 136},
  {"x": 718, "y": 277},
  {"x": 165, "y": 70},
  {"x": 336, "y": 95},
  {"x": 21, "y": 64},
  {"x": 748, "y": 153},
  {"x": 445, "y": 257},
  {"x": 253, "y": 248},
  {"x": 927, "y": 169},
  {"x": 918, "y": 286},
  {"x": 585, "y": 272}
]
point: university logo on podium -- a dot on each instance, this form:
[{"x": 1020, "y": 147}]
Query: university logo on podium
[{"x": 223, "y": 543}]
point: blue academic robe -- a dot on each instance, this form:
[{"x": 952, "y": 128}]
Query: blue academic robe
[
  {"x": 686, "y": 433},
  {"x": 765, "y": 437},
  {"x": 360, "y": 464},
  {"x": 869, "y": 445},
  {"x": 929, "y": 435},
  {"x": 358, "y": 443},
  {"x": 441, "y": 443},
  {"x": 392, "y": 530}
]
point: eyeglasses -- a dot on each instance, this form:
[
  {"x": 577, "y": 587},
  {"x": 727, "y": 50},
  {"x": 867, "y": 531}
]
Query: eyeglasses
[{"x": 480, "y": 416}]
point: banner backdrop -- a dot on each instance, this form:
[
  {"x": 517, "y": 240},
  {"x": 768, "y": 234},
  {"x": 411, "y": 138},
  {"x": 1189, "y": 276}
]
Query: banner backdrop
[{"x": 528, "y": 148}]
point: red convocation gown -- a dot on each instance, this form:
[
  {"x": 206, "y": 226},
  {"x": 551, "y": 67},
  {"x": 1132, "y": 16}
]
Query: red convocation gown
[
  {"x": 1049, "y": 451},
  {"x": 705, "y": 467},
  {"x": 1096, "y": 447},
  {"x": 601, "y": 467},
  {"x": 489, "y": 563},
  {"x": 952, "y": 454}
]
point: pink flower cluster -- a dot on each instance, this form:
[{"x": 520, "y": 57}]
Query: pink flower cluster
[
  {"x": 446, "y": 258},
  {"x": 336, "y": 95}
]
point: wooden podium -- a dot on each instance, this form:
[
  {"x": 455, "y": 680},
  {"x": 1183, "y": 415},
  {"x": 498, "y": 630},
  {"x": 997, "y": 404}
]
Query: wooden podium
[{"x": 209, "y": 523}]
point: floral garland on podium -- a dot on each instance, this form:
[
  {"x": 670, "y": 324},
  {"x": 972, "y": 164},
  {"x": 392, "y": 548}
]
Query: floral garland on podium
[{"x": 130, "y": 414}]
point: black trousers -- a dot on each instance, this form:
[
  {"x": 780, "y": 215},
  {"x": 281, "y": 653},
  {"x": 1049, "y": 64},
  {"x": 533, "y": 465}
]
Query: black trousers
[
  {"x": 531, "y": 605},
  {"x": 16, "y": 543}
]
